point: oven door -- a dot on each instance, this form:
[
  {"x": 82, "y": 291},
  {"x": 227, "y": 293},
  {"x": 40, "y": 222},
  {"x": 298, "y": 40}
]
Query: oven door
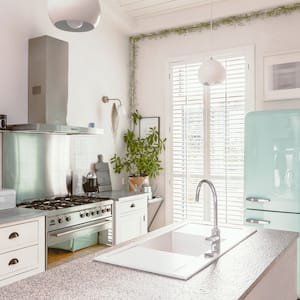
[{"x": 76, "y": 231}]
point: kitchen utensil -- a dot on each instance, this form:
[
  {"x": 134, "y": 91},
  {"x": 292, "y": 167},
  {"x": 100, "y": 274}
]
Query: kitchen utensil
[
  {"x": 89, "y": 182},
  {"x": 3, "y": 121},
  {"x": 103, "y": 175}
]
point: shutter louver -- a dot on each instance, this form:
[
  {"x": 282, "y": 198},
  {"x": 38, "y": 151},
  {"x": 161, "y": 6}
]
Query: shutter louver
[{"x": 207, "y": 141}]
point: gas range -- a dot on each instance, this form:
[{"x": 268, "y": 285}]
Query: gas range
[
  {"x": 61, "y": 202},
  {"x": 69, "y": 217}
]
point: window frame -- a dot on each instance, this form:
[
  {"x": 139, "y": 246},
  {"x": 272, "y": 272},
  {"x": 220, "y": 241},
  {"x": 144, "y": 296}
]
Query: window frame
[{"x": 249, "y": 53}]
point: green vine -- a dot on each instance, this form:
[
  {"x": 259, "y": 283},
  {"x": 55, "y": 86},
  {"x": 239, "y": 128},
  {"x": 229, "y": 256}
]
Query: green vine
[{"x": 238, "y": 20}]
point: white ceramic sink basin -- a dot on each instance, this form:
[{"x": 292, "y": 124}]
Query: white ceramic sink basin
[{"x": 177, "y": 253}]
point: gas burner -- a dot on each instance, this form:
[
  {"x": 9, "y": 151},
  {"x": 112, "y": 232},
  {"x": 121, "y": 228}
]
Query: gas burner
[{"x": 60, "y": 202}]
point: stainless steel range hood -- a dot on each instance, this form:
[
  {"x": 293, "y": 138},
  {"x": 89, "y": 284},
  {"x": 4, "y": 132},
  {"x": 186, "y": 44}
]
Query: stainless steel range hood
[
  {"x": 48, "y": 89},
  {"x": 53, "y": 128}
]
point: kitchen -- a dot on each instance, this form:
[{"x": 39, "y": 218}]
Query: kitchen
[{"x": 104, "y": 69}]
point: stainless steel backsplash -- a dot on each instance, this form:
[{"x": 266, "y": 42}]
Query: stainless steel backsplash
[{"x": 40, "y": 165}]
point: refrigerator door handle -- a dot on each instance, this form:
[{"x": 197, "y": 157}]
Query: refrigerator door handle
[
  {"x": 258, "y": 199},
  {"x": 258, "y": 221}
]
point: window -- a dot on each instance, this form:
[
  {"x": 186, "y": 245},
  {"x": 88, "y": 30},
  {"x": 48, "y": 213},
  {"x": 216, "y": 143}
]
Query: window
[{"x": 208, "y": 139}]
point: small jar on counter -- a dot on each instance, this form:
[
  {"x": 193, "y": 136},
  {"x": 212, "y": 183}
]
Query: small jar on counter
[{"x": 147, "y": 189}]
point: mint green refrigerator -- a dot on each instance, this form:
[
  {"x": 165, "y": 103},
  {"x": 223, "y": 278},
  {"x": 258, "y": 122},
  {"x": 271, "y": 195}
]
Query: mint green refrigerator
[{"x": 272, "y": 171}]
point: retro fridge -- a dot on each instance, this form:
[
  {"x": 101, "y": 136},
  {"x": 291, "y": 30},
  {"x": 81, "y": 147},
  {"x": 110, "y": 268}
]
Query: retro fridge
[{"x": 272, "y": 171}]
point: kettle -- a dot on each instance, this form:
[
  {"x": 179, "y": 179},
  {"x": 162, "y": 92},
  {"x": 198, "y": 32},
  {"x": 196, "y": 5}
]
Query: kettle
[{"x": 90, "y": 183}]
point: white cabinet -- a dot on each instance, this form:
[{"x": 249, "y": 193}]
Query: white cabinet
[
  {"x": 22, "y": 249},
  {"x": 129, "y": 218}
]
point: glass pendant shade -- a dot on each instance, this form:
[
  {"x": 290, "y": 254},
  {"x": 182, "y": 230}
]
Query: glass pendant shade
[
  {"x": 74, "y": 15},
  {"x": 211, "y": 72}
]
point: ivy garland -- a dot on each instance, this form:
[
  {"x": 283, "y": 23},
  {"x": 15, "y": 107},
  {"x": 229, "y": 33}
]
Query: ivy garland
[{"x": 238, "y": 20}]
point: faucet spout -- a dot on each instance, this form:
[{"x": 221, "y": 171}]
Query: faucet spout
[{"x": 215, "y": 232}]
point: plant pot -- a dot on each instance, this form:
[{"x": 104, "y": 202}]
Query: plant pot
[{"x": 135, "y": 183}]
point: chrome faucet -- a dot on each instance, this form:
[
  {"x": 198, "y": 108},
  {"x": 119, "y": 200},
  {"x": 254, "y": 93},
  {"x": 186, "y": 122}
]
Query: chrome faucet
[{"x": 215, "y": 232}]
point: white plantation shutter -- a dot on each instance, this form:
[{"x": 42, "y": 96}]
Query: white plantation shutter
[
  {"x": 188, "y": 151},
  {"x": 208, "y": 139}
]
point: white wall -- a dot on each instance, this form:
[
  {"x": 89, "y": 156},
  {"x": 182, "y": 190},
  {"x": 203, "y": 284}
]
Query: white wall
[
  {"x": 98, "y": 65},
  {"x": 268, "y": 36}
]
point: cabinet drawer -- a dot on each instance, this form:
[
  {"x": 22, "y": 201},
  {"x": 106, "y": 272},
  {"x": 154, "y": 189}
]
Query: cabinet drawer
[
  {"x": 130, "y": 206},
  {"x": 20, "y": 235},
  {"x": 18, "y": 261}
]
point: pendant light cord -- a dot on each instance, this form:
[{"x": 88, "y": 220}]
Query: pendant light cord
[
  {"x": 211, "y": 28},
  {"x": 211, "y": 21}
]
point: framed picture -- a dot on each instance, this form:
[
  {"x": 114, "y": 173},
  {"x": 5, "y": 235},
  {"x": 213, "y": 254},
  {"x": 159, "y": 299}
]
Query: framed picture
[
  {"x": 146, "y": 123},
  {"x": 282, "y": 76}
]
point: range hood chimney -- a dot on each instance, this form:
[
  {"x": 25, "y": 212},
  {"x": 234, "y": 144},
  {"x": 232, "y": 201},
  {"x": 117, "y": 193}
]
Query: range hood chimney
[{"x": 48, "y": 89}]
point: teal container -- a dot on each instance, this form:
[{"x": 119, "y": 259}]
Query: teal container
[{"x": 75, "y": 244}]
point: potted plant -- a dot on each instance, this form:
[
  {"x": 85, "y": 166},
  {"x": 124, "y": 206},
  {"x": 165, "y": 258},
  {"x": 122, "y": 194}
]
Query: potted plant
[{"x": 141, "y": 159}]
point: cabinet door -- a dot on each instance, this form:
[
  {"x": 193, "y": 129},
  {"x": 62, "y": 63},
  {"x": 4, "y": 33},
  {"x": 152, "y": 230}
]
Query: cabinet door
[
  {"x": 131, "y": 226},
  {"x": 272, "y": 165}
]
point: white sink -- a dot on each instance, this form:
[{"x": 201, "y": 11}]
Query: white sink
[{"x": 178, "y": 253}]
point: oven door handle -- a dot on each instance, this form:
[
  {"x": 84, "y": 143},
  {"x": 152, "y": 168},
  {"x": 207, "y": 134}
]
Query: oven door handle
[{"x": 62, "y": 233}]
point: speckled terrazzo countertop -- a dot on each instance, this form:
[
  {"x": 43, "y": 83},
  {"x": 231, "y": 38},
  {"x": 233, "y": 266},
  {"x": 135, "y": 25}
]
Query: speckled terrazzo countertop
[
  {"x": 231, "y": 277},
  {"x": 18, "y": 214}
]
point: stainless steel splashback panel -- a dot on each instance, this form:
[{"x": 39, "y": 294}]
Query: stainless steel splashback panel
[{"x": 36, "y": 165}]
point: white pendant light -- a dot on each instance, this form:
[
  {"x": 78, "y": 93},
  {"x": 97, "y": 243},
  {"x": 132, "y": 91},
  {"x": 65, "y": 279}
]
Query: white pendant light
[
  {"x": 74, "y": 15},
  {"x": 211, "y": 72}
]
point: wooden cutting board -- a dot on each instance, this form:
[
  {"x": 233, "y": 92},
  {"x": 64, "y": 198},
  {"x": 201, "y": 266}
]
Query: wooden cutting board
[{"x": 103, "y": 175}]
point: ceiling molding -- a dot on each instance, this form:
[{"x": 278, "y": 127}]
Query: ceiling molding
[
  {"x": 152, "y": 15},
  {"x": 148, "y": 8}
]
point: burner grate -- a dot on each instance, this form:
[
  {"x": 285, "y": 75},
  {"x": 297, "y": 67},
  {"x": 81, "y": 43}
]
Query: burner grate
[{"x": 60, "y": 202}]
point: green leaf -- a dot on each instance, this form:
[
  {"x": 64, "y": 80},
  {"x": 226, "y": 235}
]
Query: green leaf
[{"x": 142, "y": 154}]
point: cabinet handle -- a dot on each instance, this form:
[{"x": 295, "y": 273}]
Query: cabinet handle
[
  {"x": 132, "y": 205},
  {"x": 144, "y": 218},
  {"x": 13, "y": 235},
  {"x": 258, "y": 221},
  {"x": 13, "y": 261},
  {"x": 257, "y": 199}
]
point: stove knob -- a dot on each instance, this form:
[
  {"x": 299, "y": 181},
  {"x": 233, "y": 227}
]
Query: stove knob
[
  {"x": 82, "y": 215},
  {"x": 60, "y": 220},
  {"x": 98, "y": 212},
  {"x": 108, "y": 209},
  {"x": 68, "y": 219},
  {"x": 103, "y": 210},
  {"x": 92, "y": 213},
  {"x": 87, "y": 214}
]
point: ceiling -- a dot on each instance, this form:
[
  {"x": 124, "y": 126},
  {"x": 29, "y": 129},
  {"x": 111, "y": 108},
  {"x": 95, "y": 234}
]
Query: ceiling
[
  {"x": 140, "y": 16},
  {"x": 140, "y": 9}
]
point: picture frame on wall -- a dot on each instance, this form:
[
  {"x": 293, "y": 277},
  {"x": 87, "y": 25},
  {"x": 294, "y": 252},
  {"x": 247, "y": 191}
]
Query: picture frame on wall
[
  {"x": 282, "y": 76},
  {"x": 146, "y": 123}
]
